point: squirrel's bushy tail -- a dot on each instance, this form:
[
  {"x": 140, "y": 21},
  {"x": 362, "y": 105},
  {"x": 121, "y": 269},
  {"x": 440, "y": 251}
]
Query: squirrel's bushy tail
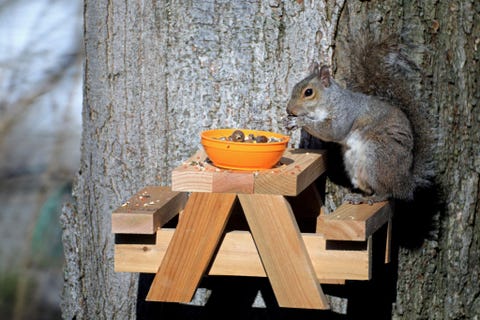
[{"x": 385, "y": 68}]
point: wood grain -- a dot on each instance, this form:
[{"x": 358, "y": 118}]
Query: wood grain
[
  {"x": 147, "y": 210},
  {"x": 297, "y": 170},
  {"x": 354, "y": 222},
  {"x": 283, "y": 252},
  {"x": 238, "y": 256},
  {"x": 303, "y": 167},
  {"x": 192, "y": 247}
]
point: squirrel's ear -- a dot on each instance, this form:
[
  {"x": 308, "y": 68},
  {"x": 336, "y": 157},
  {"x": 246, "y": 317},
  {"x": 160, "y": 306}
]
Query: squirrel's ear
[
  {"x": 324, "y": 75},
  {"x": 314, "y": 68}
]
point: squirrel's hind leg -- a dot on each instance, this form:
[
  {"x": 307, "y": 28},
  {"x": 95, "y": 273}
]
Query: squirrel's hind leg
[{"x": 357, "y": 198}]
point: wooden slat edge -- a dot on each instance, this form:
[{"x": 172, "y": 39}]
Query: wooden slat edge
[
  {"x": 238, "y": 256},
  {"x": 292, "y": 178},
  {"x": 312, "y": 171},
  {"x": 194, "y": 174},
  {"x": 354, "y": 222},
  {"x": 198, "y": 175},
  {"x": 192, "y": 247},
  {"x": 147, "y": 210},
  {"x": 300, "y": 169},
  {"x": 283, "y": 251}
]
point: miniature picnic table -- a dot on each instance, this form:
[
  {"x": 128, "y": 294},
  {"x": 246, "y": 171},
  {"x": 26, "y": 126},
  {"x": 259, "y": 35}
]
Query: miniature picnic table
[{"x": 204, "y": 197}]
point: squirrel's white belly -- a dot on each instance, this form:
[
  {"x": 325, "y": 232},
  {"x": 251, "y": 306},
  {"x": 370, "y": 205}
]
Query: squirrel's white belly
[{"x": 355, "y": 158}]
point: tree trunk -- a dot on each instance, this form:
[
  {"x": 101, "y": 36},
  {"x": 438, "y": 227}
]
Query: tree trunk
[
  {"x": 158, "y": 73},
  {"x": 439, "y": 247}
]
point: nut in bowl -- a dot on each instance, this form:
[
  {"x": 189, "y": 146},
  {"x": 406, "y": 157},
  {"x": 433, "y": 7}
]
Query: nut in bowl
[{"x": 244, "y": 149}]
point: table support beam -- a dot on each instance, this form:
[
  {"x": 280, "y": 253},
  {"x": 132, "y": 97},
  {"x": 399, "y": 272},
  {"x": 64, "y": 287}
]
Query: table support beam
[
  {"x": 282, "y": 251},
  {"x": 192, "y": 246}
]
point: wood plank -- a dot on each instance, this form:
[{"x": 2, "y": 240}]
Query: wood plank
[
  {"x": 297, "y": 170},
  {"x": 194, "y": 175},
  {"x": 233, "y": 182},
  {"x": 282, "y": 251},
  {"x": 192, "y": 247},
  {"x": 337, "y": 263},
  {"x": 388, "y": 242},
  {"x": 147, "y": 210},
  {"x": 304, "y": 167},
  {"x": 238, "y": 256},
  {"x": 354, "y": 222}
]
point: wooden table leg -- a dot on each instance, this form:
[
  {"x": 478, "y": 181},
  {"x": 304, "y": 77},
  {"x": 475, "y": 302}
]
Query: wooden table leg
[
  {"x": 192, "y": 246},
  {"x": 282, "y": 251}
]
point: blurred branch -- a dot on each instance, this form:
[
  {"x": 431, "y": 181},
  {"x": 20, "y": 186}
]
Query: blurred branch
[
  {"x": 19, "y": 108},
  {"x": 41, "y": 45}
]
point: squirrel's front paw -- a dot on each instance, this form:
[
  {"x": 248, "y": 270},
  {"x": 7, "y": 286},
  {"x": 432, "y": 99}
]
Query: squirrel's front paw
[
  {"x": 356, "y": 198},
  {"x": 290, "y": 122}
]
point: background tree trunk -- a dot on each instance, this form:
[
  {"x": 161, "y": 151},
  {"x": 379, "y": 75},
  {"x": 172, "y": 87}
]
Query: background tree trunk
[
  {"x": 157, "y": 73},
  {"x": 439, "y": 247}
]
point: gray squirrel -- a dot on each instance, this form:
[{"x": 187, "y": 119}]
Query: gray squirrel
[{"x": 384, "y": 132}]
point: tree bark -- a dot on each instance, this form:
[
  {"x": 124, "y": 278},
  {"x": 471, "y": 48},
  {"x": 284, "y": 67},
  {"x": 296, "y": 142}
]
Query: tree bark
[
  {"x": 439, "y": 247},
  {"x": 158, "y": 73}
]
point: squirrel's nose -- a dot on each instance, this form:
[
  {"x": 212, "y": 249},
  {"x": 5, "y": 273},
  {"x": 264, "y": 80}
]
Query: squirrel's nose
[{"x": 289, "y": 109}]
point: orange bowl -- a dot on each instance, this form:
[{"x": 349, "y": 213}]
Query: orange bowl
[{"x": 243, "y": 155}]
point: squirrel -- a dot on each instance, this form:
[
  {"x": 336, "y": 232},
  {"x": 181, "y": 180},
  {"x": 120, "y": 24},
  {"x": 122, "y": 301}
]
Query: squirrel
[{"x": 384, "y": 132}]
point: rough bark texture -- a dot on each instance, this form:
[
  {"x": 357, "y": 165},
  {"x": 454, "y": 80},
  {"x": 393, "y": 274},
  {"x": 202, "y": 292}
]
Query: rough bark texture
[
  {"x": 157, "y": 73},
  {"x": 439, "y": 247}
]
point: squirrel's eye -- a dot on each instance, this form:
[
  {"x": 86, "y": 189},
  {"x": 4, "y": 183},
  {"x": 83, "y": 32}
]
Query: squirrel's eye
[{"x": 308, "y": 92}]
